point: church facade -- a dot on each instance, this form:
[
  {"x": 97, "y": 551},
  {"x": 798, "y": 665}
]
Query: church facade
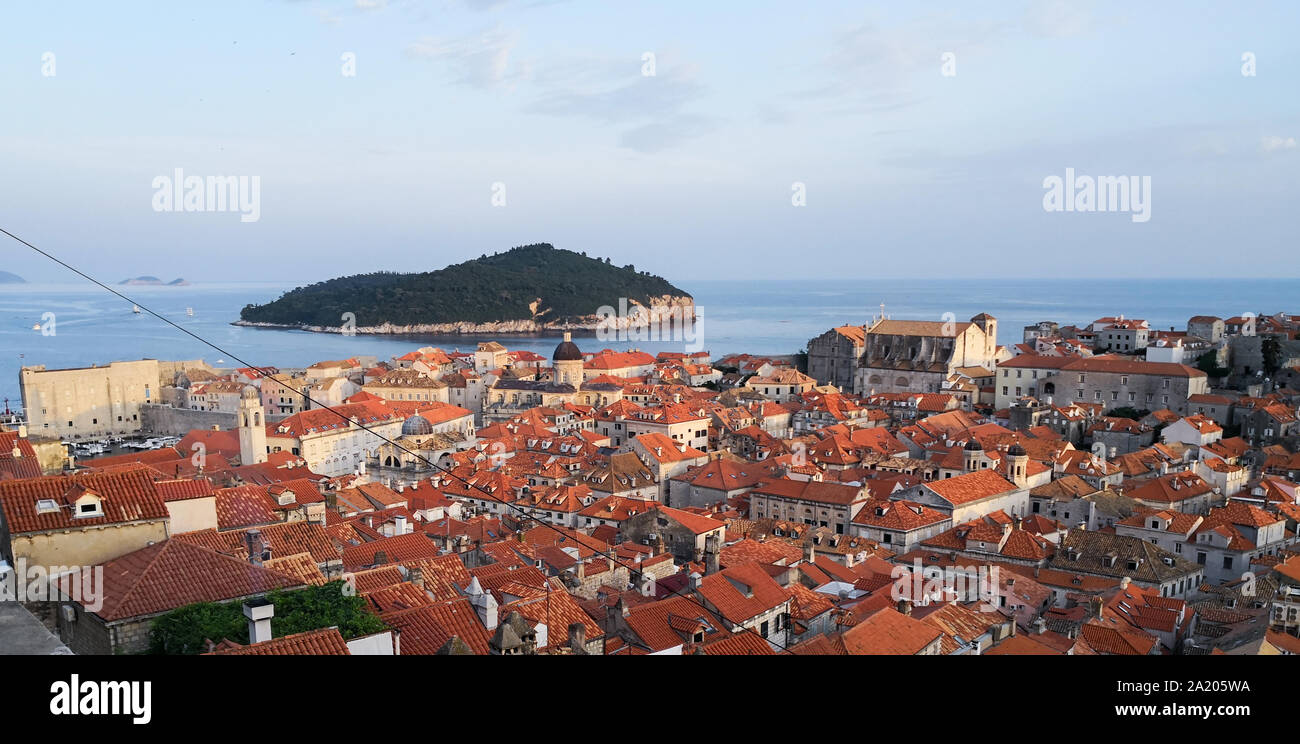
[{"x": 918, "y": 356}]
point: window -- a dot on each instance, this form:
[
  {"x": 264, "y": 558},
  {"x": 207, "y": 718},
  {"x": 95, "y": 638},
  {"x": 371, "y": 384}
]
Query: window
[
  {"x": 1227, "y": 561},
  {"x": 1200, "y": 557}
]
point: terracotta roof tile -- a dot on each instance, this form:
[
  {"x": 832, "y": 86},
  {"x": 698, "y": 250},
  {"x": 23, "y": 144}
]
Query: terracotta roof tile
[{"x": 174, "y": 573}]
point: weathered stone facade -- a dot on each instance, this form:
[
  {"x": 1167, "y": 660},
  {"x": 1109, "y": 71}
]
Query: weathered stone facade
[{"x": 915, "y": 356}]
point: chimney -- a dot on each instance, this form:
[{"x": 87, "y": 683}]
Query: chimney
[
  {"x": 577, "y": 637},
  {"x": 1124, "y": 582},
  {"x": 415, "y": 575},
  {"x": 485, "y": 605},
  {"x": 1096, "y": 605},
  {"x": 399, "y": 525},
  {"x": 259, "y": 613},
  {"x": 253, "y": 543},
  {"x": 904, "y": 607},
  {"x": 1040, "y": 626}
]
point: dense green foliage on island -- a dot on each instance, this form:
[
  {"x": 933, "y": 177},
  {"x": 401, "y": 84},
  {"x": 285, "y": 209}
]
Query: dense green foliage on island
[{"x": 492, "y": 288}]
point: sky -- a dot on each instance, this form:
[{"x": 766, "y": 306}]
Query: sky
[{"x": 773, "y": 140}]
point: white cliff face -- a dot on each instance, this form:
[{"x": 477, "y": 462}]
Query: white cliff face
[{"x": 662, "y": 305}]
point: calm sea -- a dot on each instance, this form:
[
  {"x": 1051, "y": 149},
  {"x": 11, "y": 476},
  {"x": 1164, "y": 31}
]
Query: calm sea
[{"x": 771, "y": 317}]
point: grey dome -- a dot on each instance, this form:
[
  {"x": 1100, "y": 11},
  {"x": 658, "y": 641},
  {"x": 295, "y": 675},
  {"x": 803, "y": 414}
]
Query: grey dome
[
  {"x": 567, "y": 351},
  {"x": 416, "y": 426},
  {"x": 1016, "y": 451},
  {"x": 973, "y": 446}
]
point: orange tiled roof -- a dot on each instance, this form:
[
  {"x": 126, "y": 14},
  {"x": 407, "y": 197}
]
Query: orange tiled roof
[
  {"x": 323, "y": 642},
  {"x": 888, "y": 631},
  {"x": 174, "y": 573},
  {"x": 127, "y": 495},
  {"x": 970, "y": 487},
  {"x": 426, "y": 629}
]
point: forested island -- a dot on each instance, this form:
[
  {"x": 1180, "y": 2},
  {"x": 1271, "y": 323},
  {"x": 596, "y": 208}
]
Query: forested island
[{"x": 528, "y": 288}]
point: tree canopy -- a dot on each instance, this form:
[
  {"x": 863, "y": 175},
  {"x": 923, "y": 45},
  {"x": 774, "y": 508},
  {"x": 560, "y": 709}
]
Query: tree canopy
[{"x": 493, "y": 288}]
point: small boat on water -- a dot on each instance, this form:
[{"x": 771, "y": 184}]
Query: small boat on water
[
  {"x": 189, "y": 311},
  {"x": 36, "y": 326},
  {"x": 135, "y": 309}
]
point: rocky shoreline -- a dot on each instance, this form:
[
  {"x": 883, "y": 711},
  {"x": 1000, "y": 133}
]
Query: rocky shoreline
[{"x": 669, "y": 310}]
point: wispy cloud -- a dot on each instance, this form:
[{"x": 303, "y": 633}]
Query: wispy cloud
[
  {"x": 871, "y": 68},
  {"x": 481, "y": 60},
  {"x": 657, "y": 108},
  {"x": 1060, "y": 18},
  {"x": 1274, "y": 143}
]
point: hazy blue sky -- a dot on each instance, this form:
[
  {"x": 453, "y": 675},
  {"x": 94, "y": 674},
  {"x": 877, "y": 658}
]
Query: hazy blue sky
[{"x": 687, "y": 173}]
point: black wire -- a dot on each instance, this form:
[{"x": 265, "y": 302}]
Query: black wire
[{"x": 426, "y": 460}]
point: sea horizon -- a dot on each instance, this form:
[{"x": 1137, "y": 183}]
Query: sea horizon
[{"x": 93, "y": 326}]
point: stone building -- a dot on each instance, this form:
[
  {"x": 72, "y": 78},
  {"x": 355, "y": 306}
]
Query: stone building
[
  {"x": 1042, "y": 329},
  {"x": 408, "y": 384},
  {"x": 1207, "y": 327},
  {"x": 685, "y": 534},
  {"x": 1108, "y": 380},
  {"x": 917, "y": 356},
  {"x": 817, "y": 503},
  {"x": 88, "y": 402},
  {"x": 833, "y": 356}
]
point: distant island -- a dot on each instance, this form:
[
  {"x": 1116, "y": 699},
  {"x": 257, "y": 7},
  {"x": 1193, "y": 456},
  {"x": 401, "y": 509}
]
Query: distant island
[
  {"x": 153, "y": 281},
  {"x": 7, "y": 278},
  {"x": 526, "y": 289}
]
